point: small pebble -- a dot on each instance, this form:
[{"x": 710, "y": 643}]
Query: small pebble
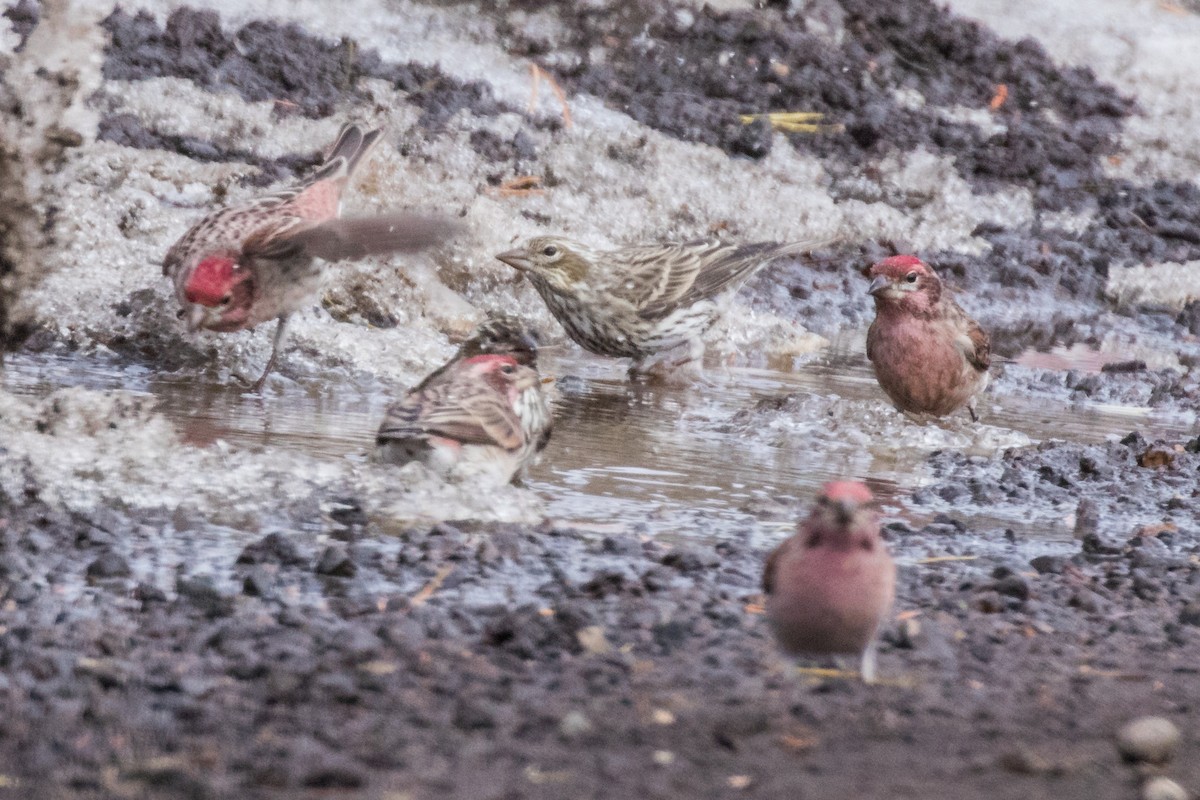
[
  {"x": 1161, "y": 788},
  {"x": 1150, "y": 739},
  {"x": 908, "y": 632},
  {"x": 574, "y": 723}
]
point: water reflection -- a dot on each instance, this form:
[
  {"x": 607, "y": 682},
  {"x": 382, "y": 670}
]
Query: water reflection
[{"x": 664, "y": 459}]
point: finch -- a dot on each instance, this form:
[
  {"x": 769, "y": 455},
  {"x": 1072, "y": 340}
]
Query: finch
[
  {"x": 247, "y": 264},
  {"x": 831, "y": 585},
  {"x": 928, "y": 355},
  {"x": 470, "y": 422},
  {"x": 506, "y": 335},
  {"x": 638, "y": 301}
]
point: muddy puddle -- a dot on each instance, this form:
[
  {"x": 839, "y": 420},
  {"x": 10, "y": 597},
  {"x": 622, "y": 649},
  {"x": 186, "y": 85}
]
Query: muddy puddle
[{"x": 729, "y": 457}]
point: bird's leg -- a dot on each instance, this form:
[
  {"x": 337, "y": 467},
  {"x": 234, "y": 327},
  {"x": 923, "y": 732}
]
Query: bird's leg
[
  {"x": 276, "y": 346},
  {"x": 971, "y": 411},
  {"x": 867, "y": 670},
  {"x": 695, "y": 354}
]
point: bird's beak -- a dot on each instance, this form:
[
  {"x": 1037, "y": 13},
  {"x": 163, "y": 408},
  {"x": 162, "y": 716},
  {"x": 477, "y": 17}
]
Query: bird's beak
[
  {"x": 879, "y": 284},
  {"x": 196, "y": 315},
  {"x": 845, "y": 511},
  {"x": 529, "y": 343},
  {"x": 516, "y": 259}
]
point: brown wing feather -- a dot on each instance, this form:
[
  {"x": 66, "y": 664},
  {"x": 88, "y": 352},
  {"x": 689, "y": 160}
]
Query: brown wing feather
[
  {"x": 980, "y": 355},
  {"x": 450, "y": 410},
  {"x": 772, "y": 565},
  {"x": 477, "y": 419},
  {"x": 871, "y": 336},
  {"x": 661, "y": 278},
  {"x": 975, "y": 345}
]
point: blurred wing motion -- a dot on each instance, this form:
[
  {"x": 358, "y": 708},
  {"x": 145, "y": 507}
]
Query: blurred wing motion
[{"x": 340, "y": 239}]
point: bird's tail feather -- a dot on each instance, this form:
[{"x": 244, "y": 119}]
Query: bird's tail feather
[{"x": 346, "y": 152}]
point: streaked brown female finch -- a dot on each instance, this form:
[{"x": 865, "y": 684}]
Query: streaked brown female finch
[
  {"x": 638, "y": 301},
  {"x": 479, "y": 420},
  {"x": 830, "y": 587},
  {"x": 928, "y": 355},
  {"x": 247, "y": 264}
]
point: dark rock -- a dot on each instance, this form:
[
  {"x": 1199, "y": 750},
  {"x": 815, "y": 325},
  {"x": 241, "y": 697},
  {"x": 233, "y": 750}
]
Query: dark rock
[
  {"x": 1013, "y": 586},
  {"x": 690, "y": 558},
  {"x": 202, "y": 592},
  {"x": 109, "y": 565},
  {"x": 1136, "y": 365},
  {"x": 473, "y": 715},
  {"x": 335, "y": 561},
  {"x": 149, "y": 593},
  {"x": 1190, "y": 614},
  {"x": 258, "y": 583},
  {"x": 274, "y": 548},
  {"x": 1102, "y": 544},
  {"x": 1048, "y": 565}
]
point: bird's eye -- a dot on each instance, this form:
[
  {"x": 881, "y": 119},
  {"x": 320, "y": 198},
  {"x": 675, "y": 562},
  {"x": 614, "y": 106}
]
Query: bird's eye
[
  {"x": 508, "y": 369},
  {"x": 911, "y": 277},
  {"x": 550, "y": 250},
  {"x": 226, "y": 299}
]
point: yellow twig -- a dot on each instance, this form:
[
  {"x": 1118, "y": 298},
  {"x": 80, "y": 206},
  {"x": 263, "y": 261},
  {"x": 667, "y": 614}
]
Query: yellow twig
[
  {"x": 427, "y": 591},
  {"x": 942, "y": 559},
  {"x": 795, "y": 122},
  {"x": 538, "y": 75},
  {"x": 520, "y": 186},
  {"x": 852, "y": 675}
]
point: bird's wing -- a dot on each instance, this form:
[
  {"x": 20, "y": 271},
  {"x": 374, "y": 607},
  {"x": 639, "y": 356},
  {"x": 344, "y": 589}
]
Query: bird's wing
[
  {"x": 871, "y": 336},
  {"x": 317, "y": 196},
  {"x": 661, "y": 278},
  {"x": 476, "y": 417},
  {"x": 980, "y": 354},
  {"x": 338, "y": 239},
  {"x": 772, "y": 565},
  {"x": 468, "y": 414},
  {"x": 974, "y": 341}
]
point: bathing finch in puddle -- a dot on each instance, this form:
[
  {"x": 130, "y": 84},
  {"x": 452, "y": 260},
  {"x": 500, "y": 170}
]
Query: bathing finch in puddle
[{"x": 928, "y": 355}]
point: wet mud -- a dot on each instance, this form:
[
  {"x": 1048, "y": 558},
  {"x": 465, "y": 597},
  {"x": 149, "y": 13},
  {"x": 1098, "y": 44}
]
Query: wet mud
[
  {"x": 1049, "y": 589},
  {"x": 503, "y": 661}
]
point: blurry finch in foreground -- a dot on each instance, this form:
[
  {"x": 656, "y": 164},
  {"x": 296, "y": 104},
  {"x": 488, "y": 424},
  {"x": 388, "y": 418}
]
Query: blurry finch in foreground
[{"x": 831, "y": 585}]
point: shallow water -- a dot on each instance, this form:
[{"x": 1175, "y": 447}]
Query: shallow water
[{"x": 666, "y": 460}]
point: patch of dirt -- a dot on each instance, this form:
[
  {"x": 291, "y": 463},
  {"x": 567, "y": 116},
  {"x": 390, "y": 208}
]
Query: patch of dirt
[
  {"x": 306, "y": 74},
  {"x": 499, "y": 661},
  {"x": 127, "y": 130},
  {"x": 691, "y": 73}
]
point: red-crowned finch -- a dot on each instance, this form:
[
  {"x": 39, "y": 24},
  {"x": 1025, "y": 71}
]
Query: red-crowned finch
[
  {"x": 470, "y": 423},
  {"x": 928, "y": 355},
  {"x": 506, "y": 335},
  {"x": 638, "y": 301},
  {"x": 831, "y": 585},
  {"x": 248, "y": 264}
]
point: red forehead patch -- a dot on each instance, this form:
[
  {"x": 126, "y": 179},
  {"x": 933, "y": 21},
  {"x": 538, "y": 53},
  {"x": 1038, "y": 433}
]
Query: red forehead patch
[
  {"x": 903, "y": 262},
  {"x": 898, "y": 266},
  {"x": 210, "y": 281},
  {"x": 492, "y": 360},
  {"x": 847, "y": 491}
]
